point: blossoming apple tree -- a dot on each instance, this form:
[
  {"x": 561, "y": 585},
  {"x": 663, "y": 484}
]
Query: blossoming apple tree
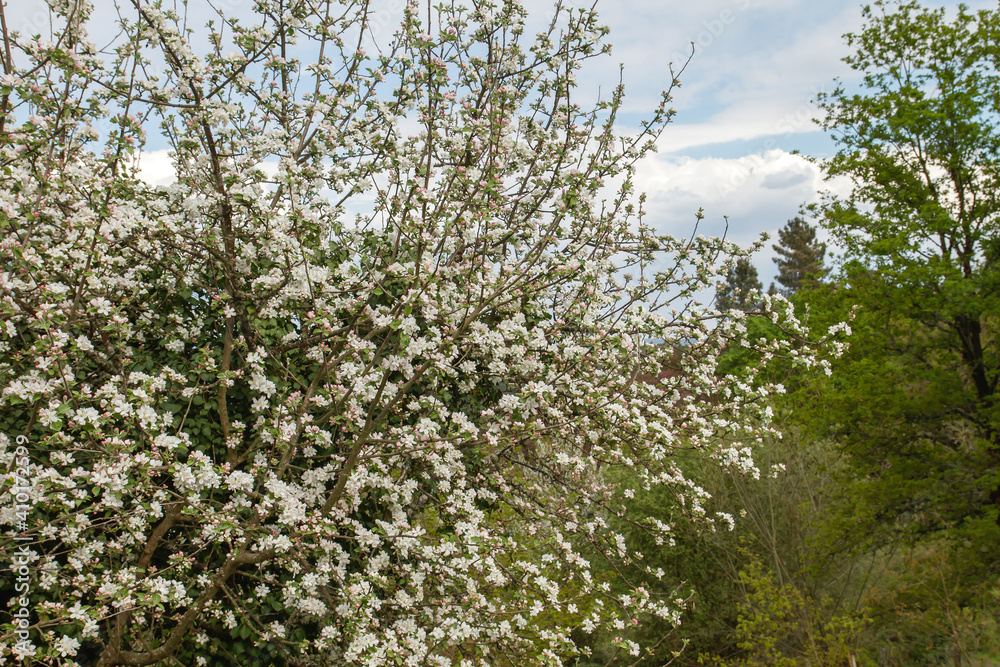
[{"x": 345, "y": 392}]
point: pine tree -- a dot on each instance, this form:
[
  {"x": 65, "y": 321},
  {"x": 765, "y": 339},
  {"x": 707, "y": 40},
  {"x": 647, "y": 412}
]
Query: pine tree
[
  {"x": 741, "y": 289},
  {"x": 800, "y": 257}
]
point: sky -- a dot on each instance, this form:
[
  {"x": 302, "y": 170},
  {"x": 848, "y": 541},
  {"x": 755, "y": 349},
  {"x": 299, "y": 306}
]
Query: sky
[{"x": 745, "y": 105}]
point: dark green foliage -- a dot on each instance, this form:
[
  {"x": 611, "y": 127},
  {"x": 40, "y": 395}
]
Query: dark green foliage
[
  {"x": 800, "y": 256},
  {"x": 741, "y": 291},
  {"x": 701, "y": 567},
  {"x": 737, "y": 358},
  {"x": 901, "y": 406},
  {"x": 765, "y": 575}
]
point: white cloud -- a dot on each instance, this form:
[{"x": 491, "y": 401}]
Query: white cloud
[
  {"x": 157, "y": 167},
  {"x": 754, "y": 120},
  {"x": 756, "y": 193}
]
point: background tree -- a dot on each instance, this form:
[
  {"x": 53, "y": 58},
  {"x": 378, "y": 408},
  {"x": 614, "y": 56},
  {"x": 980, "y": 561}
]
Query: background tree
[
  {"x": 800, "y": 256},
  {"x": 741, "y": 289},
  {"x": 352, "y": 388},
  {"x": 914, "y": 402}
]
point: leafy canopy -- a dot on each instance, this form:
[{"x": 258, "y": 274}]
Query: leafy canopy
[{"x": 916, "y": 402}]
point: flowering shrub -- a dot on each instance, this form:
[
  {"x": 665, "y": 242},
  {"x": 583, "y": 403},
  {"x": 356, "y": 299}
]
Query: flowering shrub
[{"x": 346, "y": 389}]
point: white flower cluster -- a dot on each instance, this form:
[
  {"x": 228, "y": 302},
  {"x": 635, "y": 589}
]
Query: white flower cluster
[{"x": 365, "y": 365}]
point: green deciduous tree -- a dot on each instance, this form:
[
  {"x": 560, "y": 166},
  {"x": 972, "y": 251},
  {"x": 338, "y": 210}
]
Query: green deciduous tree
[
  {"x": 800, "y": 255},
  {"x": 915, "y": 401}
]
